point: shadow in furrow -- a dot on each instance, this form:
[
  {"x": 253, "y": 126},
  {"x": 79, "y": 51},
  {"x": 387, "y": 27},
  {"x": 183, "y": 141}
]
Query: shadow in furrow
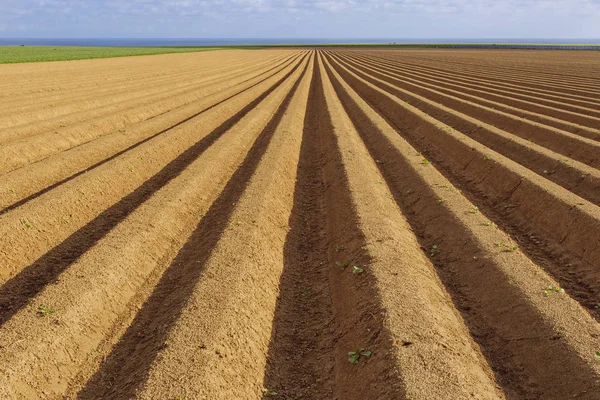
[
  {"x": 323, "y": 312},
  {"x": 512, "y": 335},
  {"x": 133, "y": 146},
  {"x": 300, "y": 360},
  {"x": 128, "y": 365},
  {"x": 17, "y": 291}
]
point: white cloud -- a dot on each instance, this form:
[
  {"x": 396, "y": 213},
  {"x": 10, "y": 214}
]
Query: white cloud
[
  {"x": 195, "y": 7},
  {"x": 383, "y": 18}
]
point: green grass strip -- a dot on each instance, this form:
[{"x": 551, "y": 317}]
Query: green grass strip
[{"x": 24, "y": 54}]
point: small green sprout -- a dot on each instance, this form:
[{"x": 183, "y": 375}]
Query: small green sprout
[
  {"x": 339, "y": 248},
  {"x": 512, "y": 249},
  {"x": 356, "y": 355},
  {"x": 269, "y": 393},
  {"x": 25, "y": 223},
  {"x": 409, "y": 191},
  {"x": 474, "y": 210},
  {"x": 597, "y": 306},
  {"x": 425, "y": 161},
  {"x": 343, "y": 265},
  {"x": 45, "y": 311},
  {"x": 305, "y": 291},
  {"x": 12, "y": 190},
  {"x": 553, "y": 289},
  {"x": 598, "y": 354},
  {"x": 500, "y": 244},
  {"x": 440, "y": 201},
  {"x": 380, "y": 161},
  {"x": 121, "y": 130},
  {"x": 356, "y": 270},
  {"x": 434, "y": 250},
  {"x": 130, "y": 169}
]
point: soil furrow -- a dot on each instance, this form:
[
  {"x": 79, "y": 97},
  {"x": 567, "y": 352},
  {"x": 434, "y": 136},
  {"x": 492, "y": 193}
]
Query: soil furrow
[
  {"x": 39, "y": 147},
  {"x": 332, "y": 223},
  {"x": 571, "y": 174},
  {"x": 485, "y": 76},
  {"x": 479, "y": 83},
  {"x": 119, "y": 91},
  {"x": 139, "y": 107},
  {"x": 123, "y": 374},
  {"x": 104, "y": 295},
  {"x": 584, "y": 87},
  {"x": 510, "y": 89},
  {"x": 394, "y": 307},
  {"x": 358, "y": 322},
  {"x": 320, "y": 314},
  {"x": 581, "y": 122},
  {"x": 300, "y": 362},
  {"x": 62, "y": 88},
  {"x": 547, "y": 221},
  {"x": 568, "y": 144},
  {"x": 499, "y": 292},
  {"x": 55, "y": 174},
  {"x": 25, "y": 282}
]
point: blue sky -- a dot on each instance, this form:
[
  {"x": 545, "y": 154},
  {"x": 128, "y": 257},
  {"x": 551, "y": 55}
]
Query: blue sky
[{"x": 301, "y": 18}]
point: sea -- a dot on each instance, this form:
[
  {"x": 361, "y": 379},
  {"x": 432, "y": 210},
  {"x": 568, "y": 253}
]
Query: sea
[{"x": 195, "y": 42}]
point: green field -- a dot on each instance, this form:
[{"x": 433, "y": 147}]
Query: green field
[{"x": 23, "y": 54}]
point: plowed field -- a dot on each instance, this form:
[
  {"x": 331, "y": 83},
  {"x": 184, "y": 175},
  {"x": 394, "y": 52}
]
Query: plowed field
[{"x": 300, "y": 224}]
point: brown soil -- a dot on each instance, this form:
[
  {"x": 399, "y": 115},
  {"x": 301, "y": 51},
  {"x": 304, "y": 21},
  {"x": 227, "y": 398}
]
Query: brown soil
[{"x": 300, "y": 224}]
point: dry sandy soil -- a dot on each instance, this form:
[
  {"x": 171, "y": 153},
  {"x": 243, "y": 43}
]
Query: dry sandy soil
[{"x": 231, "y": 225}]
